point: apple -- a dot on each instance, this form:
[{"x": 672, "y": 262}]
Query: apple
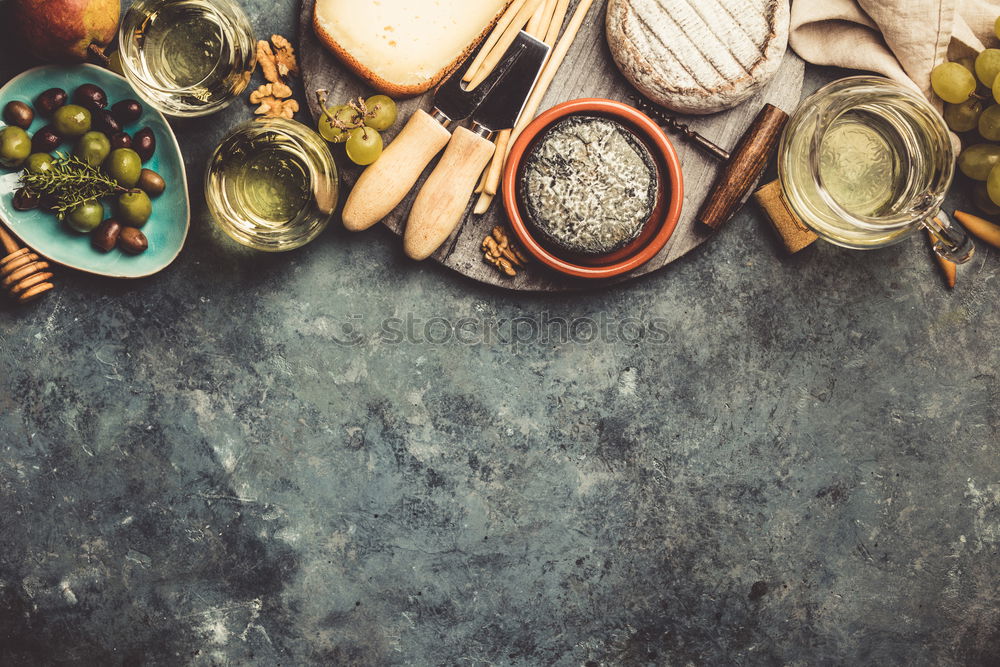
[{"x": 63, "y": 30}]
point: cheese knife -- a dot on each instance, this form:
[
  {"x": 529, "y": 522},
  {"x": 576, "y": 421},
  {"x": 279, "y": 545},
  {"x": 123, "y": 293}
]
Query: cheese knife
[
  {"x": 443, "y": 199},
  {"x": 386, "y": 182}
]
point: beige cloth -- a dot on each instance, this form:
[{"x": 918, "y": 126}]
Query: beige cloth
[{"x": 902, "y": 39}]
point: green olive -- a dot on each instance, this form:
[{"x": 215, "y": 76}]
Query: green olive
[
  {"x": 151, "y": 183},
  {"x": 15, "y": 147},
  {"x": 38, "y": 163},
  {"x": 134, "y": 208},
  {"x": 125, "y": 166},
  {"x": 93, "y": 148},
  {"x": 86, "y": 217},
  {"x": 71, "y": 120}
]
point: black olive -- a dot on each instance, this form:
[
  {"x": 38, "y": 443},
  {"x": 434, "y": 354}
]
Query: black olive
[
  {"x": 144, "y": 143},
  {"x": 18, "y": 114},
  {"x": 90, "y": 97},
  {"x": 45, "y": 140},
  {"x": 25, "y": 200},
  {"x": 104, "y": 122},
  {"x": 127, "y": 111},
  {"x": 47, "y": 103},
  {"x": 120, "y": 140}
]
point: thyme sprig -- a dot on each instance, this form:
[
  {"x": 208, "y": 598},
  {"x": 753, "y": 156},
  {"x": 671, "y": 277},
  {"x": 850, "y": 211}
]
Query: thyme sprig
[{"x": 69, "y": 183}]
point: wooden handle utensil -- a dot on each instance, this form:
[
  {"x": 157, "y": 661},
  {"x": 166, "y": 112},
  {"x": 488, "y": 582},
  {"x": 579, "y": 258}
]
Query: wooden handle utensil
[
  {"x": 445, "y": 195},
  {"x": 744, "y": 167},
  {"x": 386, "y": 182},
  {"x": 23, "y": 274}
]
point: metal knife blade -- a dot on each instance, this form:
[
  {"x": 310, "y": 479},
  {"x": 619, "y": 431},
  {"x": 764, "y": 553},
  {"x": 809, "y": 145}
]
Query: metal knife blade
[
  {"x": 454, "y": 103},
  {"x": 502, "y": 107}
]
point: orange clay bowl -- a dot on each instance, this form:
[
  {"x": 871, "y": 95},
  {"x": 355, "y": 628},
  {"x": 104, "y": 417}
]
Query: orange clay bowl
[{"x": 657, "y": 229}]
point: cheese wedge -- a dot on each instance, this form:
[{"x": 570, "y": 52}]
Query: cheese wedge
[
  {"x": 698, "y": 56},
  {"x": 404, "y": 47}
]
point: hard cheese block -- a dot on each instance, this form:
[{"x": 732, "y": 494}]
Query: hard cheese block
[
  {"x": 698, "y": 56},
  {"x": 403, "y": 47}
]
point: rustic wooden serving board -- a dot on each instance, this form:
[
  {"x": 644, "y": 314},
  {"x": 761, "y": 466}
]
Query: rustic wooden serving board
[{"x": 588, "y": 71}]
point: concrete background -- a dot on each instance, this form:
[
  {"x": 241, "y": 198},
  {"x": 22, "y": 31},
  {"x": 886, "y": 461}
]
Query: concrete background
[{"x": 762, "y": 460}]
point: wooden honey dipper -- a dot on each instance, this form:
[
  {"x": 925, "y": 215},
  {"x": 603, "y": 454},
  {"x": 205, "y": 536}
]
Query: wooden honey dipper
[{"x": 22, "y": 273}]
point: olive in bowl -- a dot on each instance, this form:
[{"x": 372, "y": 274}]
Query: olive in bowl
[
  {"x": 50, "y": 100},
  {"x": 46, "y": 140},
  {"x": 134, "y": 208},
  {"x": 18, "y": 114},
  {"x": 126, "y": 111},
  {"x": 90, "y": 96},
  {"x": 144, "y": 143},
  {"x": 15, "y": 147}
]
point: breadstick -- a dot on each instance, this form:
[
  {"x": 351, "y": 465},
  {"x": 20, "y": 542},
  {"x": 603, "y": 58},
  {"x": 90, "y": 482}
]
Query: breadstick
[
  {"x": 543, "y": 27},
  {"x": 483, "y": 204},
  {"x": 539, "y": 23},
  {"x": 500, "y": 49},
  {"x": 494, "y": 37},
  {"x": 555, "y": 25}
]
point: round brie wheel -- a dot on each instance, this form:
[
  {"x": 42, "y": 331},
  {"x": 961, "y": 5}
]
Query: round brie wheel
[{"x": 698, "y": 56}]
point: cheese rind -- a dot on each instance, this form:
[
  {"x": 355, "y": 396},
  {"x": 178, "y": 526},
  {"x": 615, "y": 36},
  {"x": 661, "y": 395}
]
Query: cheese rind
[
  {"x": 698, "y": 56},
  {"x": 403, "y": 47}
]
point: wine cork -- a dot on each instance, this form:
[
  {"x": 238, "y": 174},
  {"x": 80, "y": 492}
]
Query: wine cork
[{"x": 794, "y": 234}]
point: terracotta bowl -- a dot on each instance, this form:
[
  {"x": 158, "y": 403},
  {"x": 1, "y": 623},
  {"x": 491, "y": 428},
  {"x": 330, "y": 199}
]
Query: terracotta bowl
[{"x": 657, "y": 229}]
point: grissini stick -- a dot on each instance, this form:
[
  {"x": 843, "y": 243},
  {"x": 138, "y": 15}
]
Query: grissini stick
[
  {"x": 491, "y": 41},
  {"x": 506, "y": 40}
]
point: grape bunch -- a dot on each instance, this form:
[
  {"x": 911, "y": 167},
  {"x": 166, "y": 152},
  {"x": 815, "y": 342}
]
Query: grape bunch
[
  {"x": 970, "y": 88},
  {"x": 358, "y": 125}
]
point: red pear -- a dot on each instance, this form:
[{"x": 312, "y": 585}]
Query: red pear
[{"x": 63, "y": 30}]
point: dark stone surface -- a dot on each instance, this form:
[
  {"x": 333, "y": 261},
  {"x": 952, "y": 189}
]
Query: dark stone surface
[{"x": 777, "y": 461}]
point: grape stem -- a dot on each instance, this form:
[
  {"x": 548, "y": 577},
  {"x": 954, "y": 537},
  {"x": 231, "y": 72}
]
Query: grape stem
[{"x": 359, "y": 106}]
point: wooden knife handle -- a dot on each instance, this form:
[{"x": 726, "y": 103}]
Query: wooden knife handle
[
  {"x": 439, "y": 207},
  {"x": 745, "y": 166},
  {"x": 386, "y": 181}
]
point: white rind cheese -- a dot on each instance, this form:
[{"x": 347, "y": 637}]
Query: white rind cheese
[
  {"x": 403, "y": 46},
  {"x": 698, "y": 56}
]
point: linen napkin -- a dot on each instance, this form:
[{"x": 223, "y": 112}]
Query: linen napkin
[{"x": 901, "y": 39}]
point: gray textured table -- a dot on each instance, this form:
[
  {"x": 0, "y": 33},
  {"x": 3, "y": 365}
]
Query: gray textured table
[{"x": 246, "y": 460}]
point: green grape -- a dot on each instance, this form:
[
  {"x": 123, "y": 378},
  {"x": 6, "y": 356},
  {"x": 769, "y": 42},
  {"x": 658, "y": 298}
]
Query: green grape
[
  {"x": 993, "y": 186},
  {"x": 977, "y": 161},
  {"x": 952, "y": 82},
  {"x": 364, "y": 146},
  {"x": 988, "y": 66},
  {"x": 982, "y": 200},
  {"x": 382, "y": 112},
  {"x": 965, "y": 116},
  {"x": 989, "y": 123},
  {"x": 996, "y": 89},
  {"x": 996, "y": 27},
  {"x": 345, "y": 114}
]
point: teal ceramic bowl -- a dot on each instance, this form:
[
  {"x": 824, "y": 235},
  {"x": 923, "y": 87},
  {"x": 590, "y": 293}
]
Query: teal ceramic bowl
[{"x": 166, "y": 229}]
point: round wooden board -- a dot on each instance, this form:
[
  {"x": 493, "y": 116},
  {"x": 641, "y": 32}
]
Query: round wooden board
[{"x": 588, "y": 71}]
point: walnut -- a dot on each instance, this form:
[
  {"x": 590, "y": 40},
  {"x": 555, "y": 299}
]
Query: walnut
[
  {"x": 273, "y": 107},
  {"x": 498, "y": 251},
  {"x": 275, "y": 63},
  {"x": 279, "y": 90},
  {"x": 285, "y": 56}
]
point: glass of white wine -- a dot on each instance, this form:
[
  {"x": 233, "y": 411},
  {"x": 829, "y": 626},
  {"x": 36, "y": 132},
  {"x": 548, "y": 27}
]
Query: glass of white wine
[
  {"x": 865, "y": 162},
  {"x": 272, "y": 184},
  {"x": 187, "y": 57}
]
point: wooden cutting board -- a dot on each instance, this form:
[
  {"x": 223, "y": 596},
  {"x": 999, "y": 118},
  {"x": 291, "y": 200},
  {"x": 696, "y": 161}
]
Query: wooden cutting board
[{"x": 588, "y": 72}]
